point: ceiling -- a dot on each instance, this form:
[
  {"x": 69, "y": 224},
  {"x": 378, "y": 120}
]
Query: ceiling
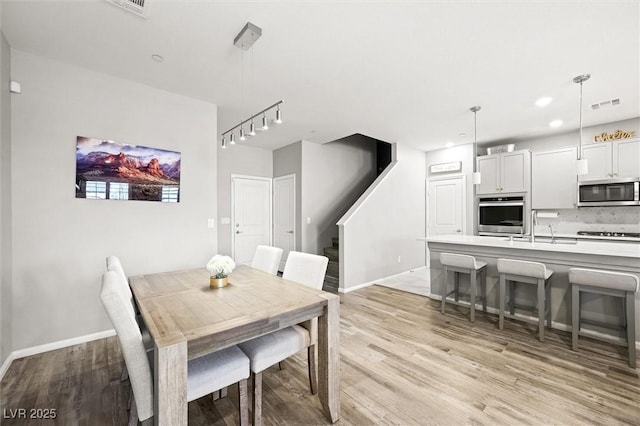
[{"x": 398, "y": 71}]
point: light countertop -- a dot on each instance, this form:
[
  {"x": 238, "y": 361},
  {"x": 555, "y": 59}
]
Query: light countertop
[{"x": 600, "y": 248}]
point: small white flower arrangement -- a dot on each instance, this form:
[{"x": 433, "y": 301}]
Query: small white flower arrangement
[{"x": 220, "y": 266}]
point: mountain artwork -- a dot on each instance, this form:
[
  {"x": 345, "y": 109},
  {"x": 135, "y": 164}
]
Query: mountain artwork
[{"x": 110, "y": 170}]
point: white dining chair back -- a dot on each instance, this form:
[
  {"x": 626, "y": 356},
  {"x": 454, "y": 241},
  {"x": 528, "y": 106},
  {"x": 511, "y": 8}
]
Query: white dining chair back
[
  {"x": 267, "y": 259},
  {"x": 305, "y": 268},
  {"x": 130, "y": 337}
]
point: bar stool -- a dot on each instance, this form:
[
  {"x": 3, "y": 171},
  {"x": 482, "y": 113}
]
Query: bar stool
[
  {"x": 461, "y": 263},
  {"x": 609, "y": 283},
  {"x": 520, "y": 271}
]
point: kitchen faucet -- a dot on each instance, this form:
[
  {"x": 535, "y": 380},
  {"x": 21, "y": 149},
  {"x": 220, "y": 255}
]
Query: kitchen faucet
[
  {"x": 534, "y": 222},
  {"x": 552, "y": 237}
]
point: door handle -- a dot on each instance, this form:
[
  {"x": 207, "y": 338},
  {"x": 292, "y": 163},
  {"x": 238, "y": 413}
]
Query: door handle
[
  {"x": 238, "y": 232},
  {"x": 458, "y": 230},
  {"x": 289, "y": 232}
]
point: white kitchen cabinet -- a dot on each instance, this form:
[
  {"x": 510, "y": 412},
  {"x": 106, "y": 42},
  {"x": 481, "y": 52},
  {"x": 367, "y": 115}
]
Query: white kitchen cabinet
[
  {"x": 612, "y": 160},
  {"x": 506, "y": 172},
  {"x": 553, "y": 179}
]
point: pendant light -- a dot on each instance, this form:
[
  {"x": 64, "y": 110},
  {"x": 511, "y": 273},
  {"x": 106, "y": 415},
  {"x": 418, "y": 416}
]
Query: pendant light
[
  {"x": 582, "y": 165},
  {"x": 477, "y": 177}
]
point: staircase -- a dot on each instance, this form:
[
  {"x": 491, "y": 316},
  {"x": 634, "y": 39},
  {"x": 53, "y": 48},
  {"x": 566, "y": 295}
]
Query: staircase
[{"x": 331, "y": 280}]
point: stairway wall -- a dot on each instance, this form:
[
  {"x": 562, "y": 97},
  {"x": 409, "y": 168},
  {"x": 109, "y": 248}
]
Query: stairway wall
[
  {"x": 335, "y": 175},
  {"x": 378, "y": 234}
]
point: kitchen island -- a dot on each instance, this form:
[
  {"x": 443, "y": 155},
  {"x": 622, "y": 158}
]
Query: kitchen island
[{"x": 613, "y": 256}]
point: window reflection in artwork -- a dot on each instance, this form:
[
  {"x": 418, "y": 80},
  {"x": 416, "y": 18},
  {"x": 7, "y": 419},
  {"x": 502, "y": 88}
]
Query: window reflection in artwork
[
  {"x": 170, "y": 194},
  {"x": 96, "y": 190},
  {"x": 111, "y": 170}
]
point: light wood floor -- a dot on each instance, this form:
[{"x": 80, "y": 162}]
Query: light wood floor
[{"x": 402, "y": 363}]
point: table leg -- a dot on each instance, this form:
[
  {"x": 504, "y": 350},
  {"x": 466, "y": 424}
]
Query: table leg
[
  {"x": 329, "y": 358},
  {"x": 170, "y": 384}
]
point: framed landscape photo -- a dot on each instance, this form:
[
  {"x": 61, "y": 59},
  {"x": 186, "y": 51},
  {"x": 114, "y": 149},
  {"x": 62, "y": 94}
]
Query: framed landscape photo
[{"x": 109, "y": 170}]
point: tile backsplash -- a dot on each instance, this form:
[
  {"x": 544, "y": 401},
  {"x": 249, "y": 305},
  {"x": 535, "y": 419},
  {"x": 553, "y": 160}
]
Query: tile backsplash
[{"x": 596, "y": 219}]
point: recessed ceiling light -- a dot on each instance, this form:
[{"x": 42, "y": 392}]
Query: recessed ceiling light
[
  {"x": 555, "y": 123},
  {"x": 449, "y": 144},
  {"x": 157, "y": 58},
  {"x": 543, "y": 102}
]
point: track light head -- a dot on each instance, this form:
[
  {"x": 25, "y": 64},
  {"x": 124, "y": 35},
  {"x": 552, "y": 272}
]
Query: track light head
[
  {"x": 242, "y": 136},
  {"x": 224, "y": 142},
  {"x": 278, "y": 116},
  {"x": 252, "y": 129},
  {"x": 265, "y": 123},
  {"x": 232, "y": 139}
]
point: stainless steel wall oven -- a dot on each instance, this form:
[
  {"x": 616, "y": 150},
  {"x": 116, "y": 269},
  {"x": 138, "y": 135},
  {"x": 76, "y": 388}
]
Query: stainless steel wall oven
[{"x": 501, "y": 215}]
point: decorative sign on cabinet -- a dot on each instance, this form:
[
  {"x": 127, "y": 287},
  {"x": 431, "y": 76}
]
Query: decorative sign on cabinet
[
  {"x": 612, "y": 160},
  {"x": 506, "y": 172}
]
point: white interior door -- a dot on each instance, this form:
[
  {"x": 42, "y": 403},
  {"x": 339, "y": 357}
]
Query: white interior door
[
  {"x": 251, "y": 216},
  {"x": 284, "y": 215},
  {"x": 446, "y": 206}
]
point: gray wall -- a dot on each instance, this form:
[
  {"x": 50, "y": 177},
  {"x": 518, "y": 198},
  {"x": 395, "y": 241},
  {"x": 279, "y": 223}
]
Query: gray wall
[
  {"x": 335, "y": 175},
  {"x": 378, "y": 238},
  {"x": 288, "y": 161},
  {"x": 60, "y": 242},
  {"x": 5, "y": 201},
  {"x": 239, "y": 160}
]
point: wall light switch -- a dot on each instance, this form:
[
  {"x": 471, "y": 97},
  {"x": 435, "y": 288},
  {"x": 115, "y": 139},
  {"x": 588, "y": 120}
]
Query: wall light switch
[
  {"x": 211, "y": 223},
  {"x": 225, "y": 220}
]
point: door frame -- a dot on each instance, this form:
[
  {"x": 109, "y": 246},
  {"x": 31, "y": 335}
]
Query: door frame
[
  {"x": 295, "y": 208},
  {"x": 233, "y": 208}
]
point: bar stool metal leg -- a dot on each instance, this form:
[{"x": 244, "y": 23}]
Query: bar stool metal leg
[
  {"x": 502, "y": 295},
  {"x": 456, "y": 280},
  {"x": 444, "y": 288},
  {"x": 541, "y": 308},
  {"x": 575, "y": 316},
  {"x": 548, "y": 303},
  {"x": 472, "y": 277},
  {"x": 631, "y": 328},
  {"x": 483, "y": 283}
]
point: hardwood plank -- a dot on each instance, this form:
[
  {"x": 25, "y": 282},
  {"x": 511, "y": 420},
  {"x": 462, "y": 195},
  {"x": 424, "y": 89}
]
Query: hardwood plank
[{"x": 401, "y": 362}]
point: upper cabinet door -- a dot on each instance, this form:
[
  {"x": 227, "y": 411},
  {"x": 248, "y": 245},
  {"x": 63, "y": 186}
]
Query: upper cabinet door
[
  {"x": 626, "y": 159},
  {"x": 489, "y": 168},
  {"x": 553, "y": 181},
  {"x": 515, "y": 171},
  {"x": 598, "y": 156}
]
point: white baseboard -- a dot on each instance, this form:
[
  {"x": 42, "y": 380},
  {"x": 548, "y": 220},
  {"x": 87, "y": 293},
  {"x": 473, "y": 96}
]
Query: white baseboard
[
  {"x": 370, "y": 283},
  {"x": 34, "y": 350}
]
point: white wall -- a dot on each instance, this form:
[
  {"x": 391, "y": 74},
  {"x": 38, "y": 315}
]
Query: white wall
[
  {"x": 288, "y": 161},
  {"x": 5, "y": 201},
  {"x": 335, "y": 175},
  {"x": 240, "y": 160},
  {"x": 462, "y": 153},
  {"x": 379, "y": 239},
  {"x": 60, "y": 242}
]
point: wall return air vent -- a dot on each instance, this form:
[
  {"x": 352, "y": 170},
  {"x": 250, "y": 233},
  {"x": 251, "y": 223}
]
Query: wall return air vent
[
  {"x": 607, "y": 103},
  {"x": 138, "y": 7}
]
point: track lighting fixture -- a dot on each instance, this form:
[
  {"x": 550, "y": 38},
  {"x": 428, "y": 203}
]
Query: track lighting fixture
[
  {"x": 224, "y": 142},
  {"x": 252, "y": 129},
  {"x": 265, "y": 123},
  {"x": 232, "y": 139},
  {"x": 278, "y": 119},
  {"x": 242, "y": 136}
]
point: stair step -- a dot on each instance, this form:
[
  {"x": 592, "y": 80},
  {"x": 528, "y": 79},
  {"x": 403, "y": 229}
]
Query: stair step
[
  {"x": 332, "y": 253},
  {"x": 335, "y": 241},
  {"x": 333, "y": 269}
]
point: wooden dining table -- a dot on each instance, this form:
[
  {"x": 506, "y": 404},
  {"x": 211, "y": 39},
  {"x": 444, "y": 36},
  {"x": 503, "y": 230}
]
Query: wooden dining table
[{"x": 187, "y": 319}]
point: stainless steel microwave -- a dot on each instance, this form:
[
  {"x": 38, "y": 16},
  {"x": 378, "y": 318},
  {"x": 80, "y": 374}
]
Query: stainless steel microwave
[
  {"x": 501, "y": 215},
  {"x": 624, "y": 192}
]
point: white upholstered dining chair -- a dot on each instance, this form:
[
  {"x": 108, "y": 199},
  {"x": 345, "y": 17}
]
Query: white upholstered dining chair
[
  {"x": 265, "y": 351},
  {"x": 267, "y": 259},
  {"x": 205, "y": 374}
]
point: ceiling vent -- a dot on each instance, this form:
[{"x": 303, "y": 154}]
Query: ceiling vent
[
  {"x": 137, "y": 7},
  {"x": 610, "y": 102}
]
